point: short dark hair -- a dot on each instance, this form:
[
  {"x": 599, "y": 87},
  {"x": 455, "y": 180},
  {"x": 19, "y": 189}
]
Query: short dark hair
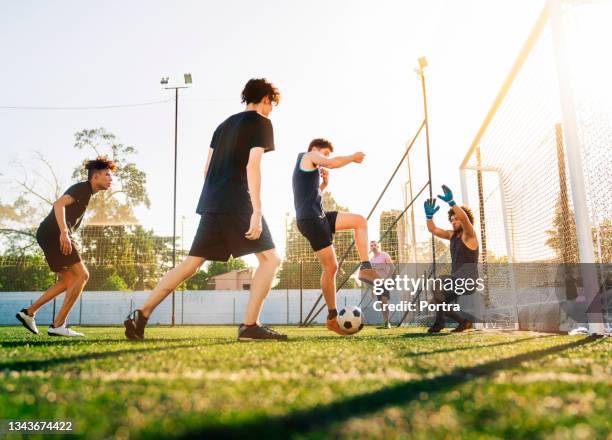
[
  {"x": 468, "y": 212},
  {"x": 320, "y": 143},
  {"x": 257, "y": 89},
  {"x": 97, "y": 164}
]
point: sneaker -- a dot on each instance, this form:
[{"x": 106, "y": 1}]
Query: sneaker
[
  {"x": 368, "y": 276},
  {"x": 135, "y": 324},
  {"x": 28, "y": 321},
  {"x": 63, "y": 331},
  {"x": 259, "y": 333},
  {"x": 436, "y": 328},
  {"x": 463, "y": 326},
  {"x": 385, "y": 326}
]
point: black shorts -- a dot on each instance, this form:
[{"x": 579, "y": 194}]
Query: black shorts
[
  {"x": 319, "y": 231},
  {"x": 220, "y": 236},
  {"x": 49, "y": 242}
]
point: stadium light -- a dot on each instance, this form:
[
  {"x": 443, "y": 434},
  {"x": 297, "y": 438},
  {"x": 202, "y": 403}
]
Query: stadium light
[{"x": 165, "y": 82}]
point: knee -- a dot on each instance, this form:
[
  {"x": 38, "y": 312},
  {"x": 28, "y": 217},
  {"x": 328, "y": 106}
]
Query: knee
[
  {"x": 275, "y": 261},
  {"x": 331, "y": 267},
  {"x": 362, "y": 223},
  {"x": 82, "y": 277}
]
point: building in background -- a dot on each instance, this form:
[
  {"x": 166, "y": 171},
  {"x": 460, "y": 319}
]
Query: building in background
[{"x": 233, "y": 280}]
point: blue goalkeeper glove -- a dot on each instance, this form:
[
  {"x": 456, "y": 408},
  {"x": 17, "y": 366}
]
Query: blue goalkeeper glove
[
  {"x": 430, "y": 208},
  {"x": 448, "y": 196}
]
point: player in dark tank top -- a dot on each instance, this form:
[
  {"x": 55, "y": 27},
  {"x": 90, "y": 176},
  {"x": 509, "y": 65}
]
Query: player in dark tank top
[{"x": 464, "y": 254}]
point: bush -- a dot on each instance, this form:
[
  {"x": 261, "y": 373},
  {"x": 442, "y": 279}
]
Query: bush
[{"x": 114, "y": 282}]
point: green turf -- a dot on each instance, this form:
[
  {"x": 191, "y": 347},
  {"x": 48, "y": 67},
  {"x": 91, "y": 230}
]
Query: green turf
[{"x": 198, "y": 382}]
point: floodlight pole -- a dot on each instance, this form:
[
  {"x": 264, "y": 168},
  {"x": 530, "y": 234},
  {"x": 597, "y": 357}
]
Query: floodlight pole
[
  {"x": 421, "y": 72},
  {"x": 176, "y": 100}
]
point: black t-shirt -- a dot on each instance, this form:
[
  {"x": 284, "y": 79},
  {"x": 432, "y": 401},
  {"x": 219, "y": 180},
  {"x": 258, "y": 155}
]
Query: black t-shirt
[
  {"x": 81, "y": 193},
  {"x": 225, "y": 188}
]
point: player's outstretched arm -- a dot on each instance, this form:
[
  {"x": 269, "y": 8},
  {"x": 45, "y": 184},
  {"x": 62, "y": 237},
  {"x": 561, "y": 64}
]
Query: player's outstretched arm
[
  {"x": 253, "y": 169},
  {"x": 460, "y": 214},
  {"x": 59, "y": 209},
  {"x": 334, "y": 162},
  {"x": 430, "y": 211}
]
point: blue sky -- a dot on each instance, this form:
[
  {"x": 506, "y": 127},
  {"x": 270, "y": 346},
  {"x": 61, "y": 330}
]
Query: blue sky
[{"x": 345, "y": 69}]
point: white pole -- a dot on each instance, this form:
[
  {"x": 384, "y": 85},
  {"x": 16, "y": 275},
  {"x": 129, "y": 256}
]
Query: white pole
[
  {"x": 572, "y": 147},
  {"x": 509, "y": 244},
  {"x": 464, "y": 190}
]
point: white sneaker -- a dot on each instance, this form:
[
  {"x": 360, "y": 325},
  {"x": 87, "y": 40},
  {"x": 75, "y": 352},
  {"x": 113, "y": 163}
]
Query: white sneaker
[
  {"x": 28, "y": 321},
  {"x": 63, "y": 331}
]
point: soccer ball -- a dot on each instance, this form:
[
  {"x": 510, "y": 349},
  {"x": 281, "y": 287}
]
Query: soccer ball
[{"x": 349, "y": 319}]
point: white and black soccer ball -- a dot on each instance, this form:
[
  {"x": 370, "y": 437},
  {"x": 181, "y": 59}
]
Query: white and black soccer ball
[{"x": 350, "y": 319}]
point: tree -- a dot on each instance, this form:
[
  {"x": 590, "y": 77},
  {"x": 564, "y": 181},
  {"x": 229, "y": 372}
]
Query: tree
[
  {"x": 136, "y": 256},
  {"x": 114, "y": 205}
]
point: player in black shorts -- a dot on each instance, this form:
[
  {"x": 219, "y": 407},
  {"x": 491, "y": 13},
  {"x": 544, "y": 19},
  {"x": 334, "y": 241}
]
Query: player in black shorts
[
  {"x": 54, "y": 235},
  {"x": 319, "y": 226},
  {"x": 231, "y": 222},
  {"x": 464, "y": 255}
]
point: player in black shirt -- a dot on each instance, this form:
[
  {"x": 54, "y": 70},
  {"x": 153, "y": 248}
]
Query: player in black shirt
[
  {"x": 54, "y": 235},
  {"x": 464, "y": 255},
  {"x": 232, "y": 222}
]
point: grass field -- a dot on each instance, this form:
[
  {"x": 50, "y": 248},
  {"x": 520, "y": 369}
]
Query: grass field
[{"x": 198, "y": 382}]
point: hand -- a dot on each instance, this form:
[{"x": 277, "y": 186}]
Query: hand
[
  {"x": 358, "y": 157},
  {"x": 430, "y": 208},
  {"x": 448, "y": 196},
  {"x": 255, "y": 226},
  {"x": 65, "y": 243},
  {"x": 324, "y": 176}
]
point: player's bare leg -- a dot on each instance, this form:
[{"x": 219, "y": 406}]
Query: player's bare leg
[
  {"x": 329, "y": 265},
  {"x": 135, "y": 323},
  {"x": 251, "y": 329},
  {"x": 358, "y": 223},
  {"x": 79, "y": 275},
  {"x": 65, "y": 279},
  {"x": 170, "y": 281},
  {"x": 269, "y": 262}
]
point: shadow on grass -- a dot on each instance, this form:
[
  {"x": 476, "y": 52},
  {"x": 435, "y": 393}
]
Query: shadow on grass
[
  {"x": 43, "y": 364},
  {"x": 55, "y": 342},
  {"x": 474, "y": 347},
  {"x": 322, "y": 417},
  {"x": 425, "y": 335}
]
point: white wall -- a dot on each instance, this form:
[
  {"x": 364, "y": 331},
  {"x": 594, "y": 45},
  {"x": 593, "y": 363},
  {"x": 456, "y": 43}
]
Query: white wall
[{"x": 192, "y": 307}]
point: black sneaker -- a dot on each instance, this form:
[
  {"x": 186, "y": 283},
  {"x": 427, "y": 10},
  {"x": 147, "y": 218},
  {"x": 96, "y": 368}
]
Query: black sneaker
[
  {"x": 135, "y": 325},
  {"x": 436, "y": 328},
  {"x": 258, "y": 333},
  {"x": 463, "y": 326}
]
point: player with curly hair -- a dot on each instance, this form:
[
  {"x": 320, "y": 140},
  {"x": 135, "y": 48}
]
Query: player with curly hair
[{"x": 55, "y": 237}]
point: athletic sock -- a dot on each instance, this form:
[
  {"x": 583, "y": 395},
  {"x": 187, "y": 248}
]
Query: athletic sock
[
  {"x": 365, "y": 265},
  {"x": 332, "y": 313}
]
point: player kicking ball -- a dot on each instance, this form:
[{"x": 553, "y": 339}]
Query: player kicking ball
[
  {"x": 54, "y": 235},
  {"x": 231, "y": 222},
  {"x": 310, "y": 177}
]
